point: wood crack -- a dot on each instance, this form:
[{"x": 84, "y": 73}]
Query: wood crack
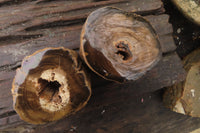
[
  {"x": 56, "y": 24},
  {"x": 158, "y": 11},
  {"x": 10, "y": 67},
  {"x": 13, "y": 39},
  {"x": 10, "y": 113},
  {"x": 31, "y": 25},
  {"x": 13, "y": 2}
]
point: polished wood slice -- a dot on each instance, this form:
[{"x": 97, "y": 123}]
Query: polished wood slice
[
  {"x": 119, "y": 45},
  {"x": 50, "y": 85}
]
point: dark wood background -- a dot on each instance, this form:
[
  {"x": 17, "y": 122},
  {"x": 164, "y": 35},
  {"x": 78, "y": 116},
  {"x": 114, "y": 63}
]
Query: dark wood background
[{"x": 134, "y": 107}]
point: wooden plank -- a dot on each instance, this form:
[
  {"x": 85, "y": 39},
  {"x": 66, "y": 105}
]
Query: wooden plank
[
  {"x": 142, "y": 113},
  {"x": 164, "y": 30},
  {"x": 105, "y": 113},
  {"x": 167, "y": 72},
  {"x": 31, "y": 15},
  {"x": 59, "y": 23},
  {"x": 28, "y": 26},
  {"x": 67, "y": 37}
]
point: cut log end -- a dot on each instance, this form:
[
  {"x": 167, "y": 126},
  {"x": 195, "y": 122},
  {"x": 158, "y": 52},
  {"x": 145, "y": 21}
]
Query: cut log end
[
  {"x": 54, "y": 87},
  {"x": 120, "y": 46}
]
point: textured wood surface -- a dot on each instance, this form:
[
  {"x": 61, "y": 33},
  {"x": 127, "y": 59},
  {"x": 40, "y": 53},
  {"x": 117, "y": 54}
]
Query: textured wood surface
[
  {"x": 105, "y": 113},
  {"x": 186, "y": 34},
  {"x": 27, "y": 26},
  {"x": 139, "y": 114}
]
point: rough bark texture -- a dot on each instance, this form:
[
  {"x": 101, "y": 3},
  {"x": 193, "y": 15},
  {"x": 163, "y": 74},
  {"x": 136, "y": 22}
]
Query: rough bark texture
[{"x": 28, "y": 25}]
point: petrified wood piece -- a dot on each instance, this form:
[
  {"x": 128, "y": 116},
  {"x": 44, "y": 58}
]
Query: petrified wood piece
[
  {"x": 27, "y": 26},
  {"x": 51, "y": 84},
  {"x": 184, "y": 97},
  {"x": 119, "y": 45}
]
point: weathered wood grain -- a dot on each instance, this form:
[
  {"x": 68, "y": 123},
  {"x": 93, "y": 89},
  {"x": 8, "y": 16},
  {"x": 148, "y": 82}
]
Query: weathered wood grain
[
  {"x": 28, "y": 25},
  {"x": 139, "y": 114},
  {"x": 68, "y": 37},
  {"x": 167, "y": 72},
  {"x": 150, "y": 82},
  {"x": 31, "y": 26}
]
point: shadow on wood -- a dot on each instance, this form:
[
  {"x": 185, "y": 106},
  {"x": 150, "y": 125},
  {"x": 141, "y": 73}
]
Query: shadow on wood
[{"x": 27, "y": 26}]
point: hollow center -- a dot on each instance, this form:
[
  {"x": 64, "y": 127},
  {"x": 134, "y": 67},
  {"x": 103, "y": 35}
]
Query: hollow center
[
  {"x": 49, "y": 90},
  {"x": 123, "y": 51}
]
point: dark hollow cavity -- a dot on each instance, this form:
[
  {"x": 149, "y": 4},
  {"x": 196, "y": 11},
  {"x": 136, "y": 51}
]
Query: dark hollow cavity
[
  {"x": 123, "y": 51},
  {"x": 49, "y": 90}
]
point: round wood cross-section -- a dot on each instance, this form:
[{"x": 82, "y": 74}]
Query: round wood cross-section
[
  {"x": 51, "y": 84},
  {"x": 119, "y": 46}
]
